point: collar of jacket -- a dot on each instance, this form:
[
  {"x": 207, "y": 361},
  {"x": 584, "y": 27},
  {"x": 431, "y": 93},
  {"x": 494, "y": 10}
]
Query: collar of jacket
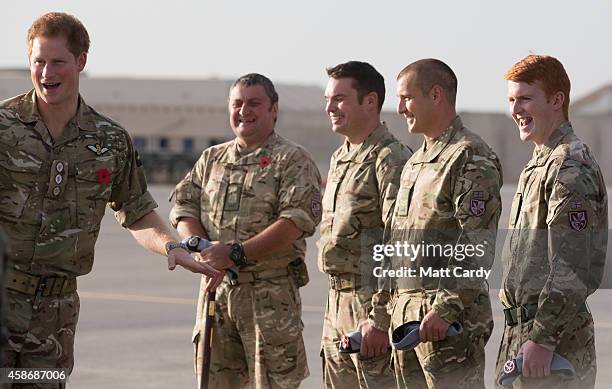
[
  {"x": 440, "y": 143},
  {"x": 27, "y": 112},
  {"x": 542, "y": 153},
  {"x": 232, "y": 154},
  {"x": 360, "y": 154}
]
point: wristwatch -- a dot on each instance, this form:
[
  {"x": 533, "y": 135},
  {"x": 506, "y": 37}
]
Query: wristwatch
[
  {"x": 195, "y": 244},
  {"x": 171, "y": 245},
  {"x": 237, "y": 255}
]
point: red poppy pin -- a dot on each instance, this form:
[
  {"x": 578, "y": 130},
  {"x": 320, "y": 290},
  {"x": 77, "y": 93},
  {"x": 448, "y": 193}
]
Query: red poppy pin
[
  {"x": 103, "y": 176},
  {"x": 265, "y": 161}
]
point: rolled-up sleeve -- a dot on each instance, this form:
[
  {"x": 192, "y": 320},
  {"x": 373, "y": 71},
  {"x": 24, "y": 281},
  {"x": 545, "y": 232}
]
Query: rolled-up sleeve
[
  {"x": 300, "y": 193},
  {"x": 187, "y": 194},
  {"x": 130, "y": 198}
]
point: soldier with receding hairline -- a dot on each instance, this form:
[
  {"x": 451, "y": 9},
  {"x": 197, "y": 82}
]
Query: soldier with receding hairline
[{"x": 448, "y": 195}]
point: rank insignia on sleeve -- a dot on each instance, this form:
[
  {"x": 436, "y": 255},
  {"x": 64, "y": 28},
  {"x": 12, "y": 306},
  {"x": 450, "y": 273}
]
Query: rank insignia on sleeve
[
  {"x": 576, "y": 204},
  {"x": 477, "y": 204},
  {"x": 578, "y": 220},
  {"x": 97, "y": 149},
  {"x": 315, "y": 208}
]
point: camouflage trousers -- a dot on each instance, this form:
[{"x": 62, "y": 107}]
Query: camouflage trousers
[
  {"x": 455, "y": 362},
  {"x": 577, "y": 346},
  {"x": 257, "y": 336},
  {"x": 41, "y": 333},
  {"x": 344, "y": 311}
]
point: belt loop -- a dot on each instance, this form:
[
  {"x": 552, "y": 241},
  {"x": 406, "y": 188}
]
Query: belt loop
[
  {"x": 43, "y": 287},
  {"x": 58, "y": 286}
]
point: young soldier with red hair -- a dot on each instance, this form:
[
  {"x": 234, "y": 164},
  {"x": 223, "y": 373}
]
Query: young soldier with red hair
[{"x": 555, "y": 252}]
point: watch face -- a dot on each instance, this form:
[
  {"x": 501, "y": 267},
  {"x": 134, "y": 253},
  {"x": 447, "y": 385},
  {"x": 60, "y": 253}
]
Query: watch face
[
  {"x": 236, "y": 254},
  {"x": 193, "y": 241}
]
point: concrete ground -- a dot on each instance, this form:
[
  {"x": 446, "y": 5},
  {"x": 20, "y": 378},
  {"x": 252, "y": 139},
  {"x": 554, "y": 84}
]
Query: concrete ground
[{"x": 136, "y": 317}]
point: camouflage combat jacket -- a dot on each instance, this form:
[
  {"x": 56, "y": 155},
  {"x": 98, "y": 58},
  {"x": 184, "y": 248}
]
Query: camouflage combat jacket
[
  {"x": 357, "y": 205},
  {"x": 556, "y": 247},
  {"x": 359, "y": 196},
  {"x": 3, "y": 268},
  {"x": 449, "y": 195},
  {"x": 54, "y": 192},
  {"x": 235, "y": 197}
]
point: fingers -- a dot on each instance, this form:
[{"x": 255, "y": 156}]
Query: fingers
[
  {"x": 424, "y": 331},
  {"x": 207, "y": 249},
  {"x": 209, "y": 284},
  {"x": 208, "y": 270},
  {"x": 213, "y": 282},
  {"x": 428, "y": 332},
  {"x": 171, "y": 262},
  {"x": 525, "y": 369},
  {"x": 540, "y": 371},
  {"x": 365, "y": 347},
  {"x": 442, "y": 333},
  {"x": 373, "y": 345},
  {"x": 534, "y": 370},
  {"x": 546, "y": 370},
  {"x": 381, "y": 348}
]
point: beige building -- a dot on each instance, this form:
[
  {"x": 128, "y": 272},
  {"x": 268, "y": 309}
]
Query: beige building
[{"x": 172, "y": 120}]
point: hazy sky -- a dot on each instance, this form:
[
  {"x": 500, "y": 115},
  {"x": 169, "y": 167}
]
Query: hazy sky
[{"x": 293, "y": 41}]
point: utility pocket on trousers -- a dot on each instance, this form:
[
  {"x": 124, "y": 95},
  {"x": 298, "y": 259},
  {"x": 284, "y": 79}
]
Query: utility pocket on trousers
[
  {"x": 376, "y": 366},
  {"x": 447, "y": 355},
  {"x": 277, "y": 313}
]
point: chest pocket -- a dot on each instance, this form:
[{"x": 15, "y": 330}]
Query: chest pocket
[
  {"x": 94, "y": 182},
  {"x": 333, "y": 185},
  {"x": 18, "y": 176},
  {"x": 404, "y": 194},
  {"x": 214, "y": 193},
  {"x": 357, "y": 201},
  {"x": 261, "y": 196}
]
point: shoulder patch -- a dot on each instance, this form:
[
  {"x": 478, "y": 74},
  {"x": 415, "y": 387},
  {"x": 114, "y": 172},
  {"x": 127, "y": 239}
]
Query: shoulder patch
[
  {"x": 315, "y": 208},
  {"x": 477, "y": 204},
  {"x": 578, "y": 220}
]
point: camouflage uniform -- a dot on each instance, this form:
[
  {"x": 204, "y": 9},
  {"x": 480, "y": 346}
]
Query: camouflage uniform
[
  {"x": 3, "y": 267},
  {"x": 52, "y": 199},
  {"x": 361, "y": 189},
  {"x": 449, "y": 194},
  {"x": 257, "y": 334},
  {"x": 555, "y": 255}
]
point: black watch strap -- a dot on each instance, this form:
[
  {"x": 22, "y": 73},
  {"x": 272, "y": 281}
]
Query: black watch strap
[{"x": 237, "y": 255}]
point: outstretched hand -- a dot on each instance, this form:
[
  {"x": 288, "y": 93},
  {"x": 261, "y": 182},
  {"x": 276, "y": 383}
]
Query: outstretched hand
[{"x": 182, "y": 258}]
